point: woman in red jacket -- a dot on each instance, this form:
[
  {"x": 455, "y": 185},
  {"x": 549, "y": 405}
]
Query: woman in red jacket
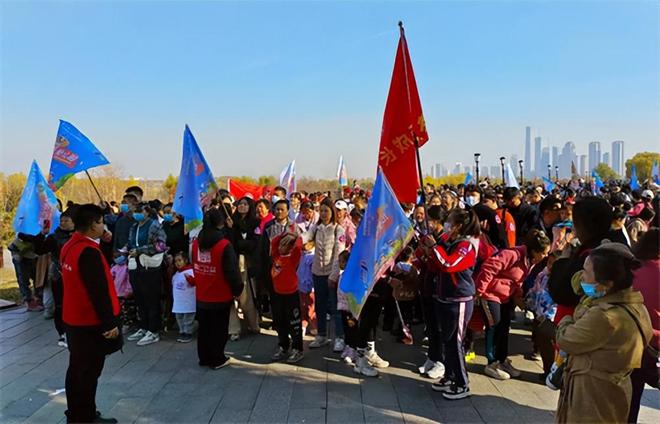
[
  {"x": 218, "y": 282},
  {"x": 499, "y": 289}
]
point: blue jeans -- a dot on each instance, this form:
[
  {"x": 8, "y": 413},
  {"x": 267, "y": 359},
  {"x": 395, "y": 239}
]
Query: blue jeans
[
  {"x": 325, "y": 302},
  {"x": 25, "y": 272}
]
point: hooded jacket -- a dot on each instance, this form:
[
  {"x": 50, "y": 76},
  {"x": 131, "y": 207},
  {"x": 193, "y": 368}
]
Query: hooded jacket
[{"x": 501, "y": 276}]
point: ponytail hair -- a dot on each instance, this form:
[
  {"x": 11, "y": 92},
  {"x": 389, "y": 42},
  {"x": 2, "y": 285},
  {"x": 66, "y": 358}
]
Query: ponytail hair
[
  {"x": 536, "y": 241},
  {"x": 467, "y": 221}
]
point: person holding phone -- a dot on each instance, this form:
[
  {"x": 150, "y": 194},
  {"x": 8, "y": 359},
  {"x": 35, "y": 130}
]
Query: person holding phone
[{"x": 90, "y": 312}]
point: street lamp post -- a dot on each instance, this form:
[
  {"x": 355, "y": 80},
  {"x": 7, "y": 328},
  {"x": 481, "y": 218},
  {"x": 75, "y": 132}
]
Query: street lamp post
[
  {"x": 476, "y": 165},
  {"x": 520, "y": 164},
  {"x": 549, "y": 172},
  {"x": 557, "y": 173},
  {"x": 502, "y": 159}
]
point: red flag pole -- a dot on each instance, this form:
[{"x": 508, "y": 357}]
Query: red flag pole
[{"x": 414, "y": 136}]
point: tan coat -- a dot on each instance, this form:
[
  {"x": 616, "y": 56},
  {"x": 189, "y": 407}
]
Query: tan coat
[{"x": 604, "y": 345}]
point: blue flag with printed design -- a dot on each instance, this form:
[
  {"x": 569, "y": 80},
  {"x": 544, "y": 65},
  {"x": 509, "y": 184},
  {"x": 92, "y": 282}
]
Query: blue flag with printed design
[
  {"x": 383, "y": 233},
  {"x": 549, "y": 185},
  {"x": 196, "y": 186},
  {"x": 468, "y": 178},
  {"x": 37, "y": 205},
  {"x": 73, "y": 153},
  {"x": 634, "y": 182},
  {"x": 655, "y": 173}
]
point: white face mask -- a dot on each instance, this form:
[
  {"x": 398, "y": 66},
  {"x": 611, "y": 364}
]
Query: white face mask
[
  {"x": 471, "y": 200},
  {"x": 275, "y": 199}
]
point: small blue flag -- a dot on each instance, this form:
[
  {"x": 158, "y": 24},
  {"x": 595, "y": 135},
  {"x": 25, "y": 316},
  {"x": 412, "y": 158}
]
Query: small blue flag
[
  {"x": 468, "y": 178},
  {"x": 73, "y": 153},
  {"x": 196, "y": 186},
  {"x": 597, "y": 180},
  {"x": 549, "y": 185},
  {"x": 37, "y": 205},
  {"x": 655, "y": 173},
  {"x": 288, "y": 178},
  {"x": 381, "y": 236},
  {"x": 634, "y": 183}
]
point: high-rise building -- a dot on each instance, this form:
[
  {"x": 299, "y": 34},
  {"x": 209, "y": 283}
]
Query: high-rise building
[
  {"x": 583, "y": 165},
  {"x": 594, "y": 154},
  {"x": 567, "y": 158},
  {"x": 617, "y": 157},
  {"x": 457, "y": 168},
  {"x": 528, "y": 152},
  {"x": 555, "y": 156},
  {"x": 606, "y": 159},
  {"x": 495, "y": 172},
  {"x": 537, "y": 158},
  {"x": 542, "y": 171},
  {"x": 484, "y": 172},
  {"x": 513, "y": 160}
]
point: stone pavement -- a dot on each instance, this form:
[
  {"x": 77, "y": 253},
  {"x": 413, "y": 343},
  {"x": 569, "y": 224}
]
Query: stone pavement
[{"x": 162, "y": 383}]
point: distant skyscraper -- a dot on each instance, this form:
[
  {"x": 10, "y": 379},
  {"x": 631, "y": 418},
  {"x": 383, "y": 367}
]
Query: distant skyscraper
[
  {"x": 528, "y": 153},
  {"x": 484, "y": 172},
  {"x": 457, "y": 168},
  {"x": 594, "y": 154},
  {"x": 617, "y": 157},
  {"x": 545, "y": 161},
  {"x": 606, "y": 159},
  {"x": 555, "y": 156},
  {"x": 583, "y": 164},
  {"x": 513, "y": 160},
  {"x": 567, "y": 157},
  {"x": 495, "y": 172},
  {"x": 538, "y": 171}
]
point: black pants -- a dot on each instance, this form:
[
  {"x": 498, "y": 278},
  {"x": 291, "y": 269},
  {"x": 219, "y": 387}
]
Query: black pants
[
  {"x": 351, "y": 329},
  {"x": 433, "y": 330},
  {"x": 454, "y": 318},
  {"x": 544, "y": 337},
  {"x": 497, "y": 318},
  {"x": 58, "y": 295},
  {"x": 389, "y": 309},
  {"x": 286, "y": 318},
  {"x": 647, "y": 374},
  {"x": 212, "y": 334},
  {"x": 146, "y": 285},
  {"x": 368, "y": 321},
  {"x": 86, "y": 359}
]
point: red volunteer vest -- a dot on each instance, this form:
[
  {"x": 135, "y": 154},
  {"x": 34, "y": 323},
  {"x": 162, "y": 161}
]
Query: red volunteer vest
[
  {"x": 210, "y": 282},
  {"x": 77, "y": 308}
]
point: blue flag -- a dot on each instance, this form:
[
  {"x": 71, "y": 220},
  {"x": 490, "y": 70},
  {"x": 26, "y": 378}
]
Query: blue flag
[
  {"x": 73, "y": 153},
  {"x": 468, "y": 178},
  {"x": 655, "y": 174},
  {"x": 597, "y": 180},
  {"x": 196, "y": 186},
  {"x": 381, "y": 236},
  {"x": 549, "y": 185},
  {"x": 634, "y": 183},
  {"x": 342, "y": 174},
  {"x": 37, "y": 205}
]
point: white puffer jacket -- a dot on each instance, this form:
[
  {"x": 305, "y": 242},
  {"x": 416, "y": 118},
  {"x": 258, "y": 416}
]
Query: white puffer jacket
[{"x": 329, "y": 241}]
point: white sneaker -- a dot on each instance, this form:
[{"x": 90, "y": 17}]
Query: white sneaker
[
  {"x": 319, "y": 341},
  {"x": 507, "y": 366},
  {"x": 426, "y": 367},
  {"x": 437, "y": 371},
  {"x": 339, "y": 345},
  {"x": 280, "y": 354},
  {"x": 148, "y": 339},
  {"x": 496, "y": 371},
  {"x": 362, "y": 366},
  {"x": 137, "y": 335},
  {"x": 376, "y": 360},
  {"x": 62, "y": 342}
]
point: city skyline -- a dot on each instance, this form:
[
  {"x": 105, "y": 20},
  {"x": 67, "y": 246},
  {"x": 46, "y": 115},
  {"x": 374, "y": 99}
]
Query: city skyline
[{"x": 564, "y": 156}]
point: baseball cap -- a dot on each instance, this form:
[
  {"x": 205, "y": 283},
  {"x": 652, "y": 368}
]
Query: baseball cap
[
  {"x": 341, "y": 204},
  {"x": 647, "y": 194}
]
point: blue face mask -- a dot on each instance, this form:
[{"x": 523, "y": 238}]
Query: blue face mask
[
  {"x": 138, "y": 216},
  {"x": 123, "y": 208},
  {"x": 168, "y": 217},
  {"x": 120, "y": 260},
  {"x": 589, "y": 290}
]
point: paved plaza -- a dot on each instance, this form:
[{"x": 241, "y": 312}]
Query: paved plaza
[{"x": 162, "y": 383}]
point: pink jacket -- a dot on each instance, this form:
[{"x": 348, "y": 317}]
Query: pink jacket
[
  {"x": 647, "y": 281},
  {"x": 501, "y": 276}
]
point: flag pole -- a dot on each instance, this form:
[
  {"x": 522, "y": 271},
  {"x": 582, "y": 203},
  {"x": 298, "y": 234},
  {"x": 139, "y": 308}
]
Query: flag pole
[
  {"x": 414, "y": 136},
  {"x": 94, "y": 185}
]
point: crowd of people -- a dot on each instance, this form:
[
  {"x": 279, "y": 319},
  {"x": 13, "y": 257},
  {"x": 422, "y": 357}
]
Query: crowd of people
[{"x": 582, "y": 267}]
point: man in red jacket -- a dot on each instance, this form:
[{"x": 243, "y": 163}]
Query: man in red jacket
[{"x": 90, "y": 312}]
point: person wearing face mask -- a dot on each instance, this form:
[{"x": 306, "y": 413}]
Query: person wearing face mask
[
  {"x": 90, "y": 314},
  {"x": 124, "y": 223},
  {"x": 499, "y": 290},
  {"x": 173, "y": 226},
  {"x": 452, "y": 259},
  {"x": 279, "y": 193},
  {"x": 604, "y": 339},
  {"x": 472, "y": 196},
  {"x": 146, "y": 245}
]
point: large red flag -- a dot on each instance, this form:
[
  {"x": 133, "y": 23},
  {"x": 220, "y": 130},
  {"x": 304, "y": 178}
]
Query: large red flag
[
  {"x": 403, "y": 121},
  {"x": 240, "y": 189}
]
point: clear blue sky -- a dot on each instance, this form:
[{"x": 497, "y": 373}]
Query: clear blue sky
[{"x": 261, "y": 83}]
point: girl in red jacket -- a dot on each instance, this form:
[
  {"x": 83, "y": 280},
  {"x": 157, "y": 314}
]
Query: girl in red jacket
[{"x": 499, "y": 288}]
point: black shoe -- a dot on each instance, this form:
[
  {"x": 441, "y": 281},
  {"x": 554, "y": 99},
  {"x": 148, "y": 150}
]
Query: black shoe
[
  {"x": 457, "y": 392},
  {"x": 106, "y": 420},
  {"x": 442, "y": 386},
  {"x": 221, "y": 365}
]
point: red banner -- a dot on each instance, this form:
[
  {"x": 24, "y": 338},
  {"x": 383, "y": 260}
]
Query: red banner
[
  {"x": 240, "y": 189},
  {"x": 403, "y": 121}
]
